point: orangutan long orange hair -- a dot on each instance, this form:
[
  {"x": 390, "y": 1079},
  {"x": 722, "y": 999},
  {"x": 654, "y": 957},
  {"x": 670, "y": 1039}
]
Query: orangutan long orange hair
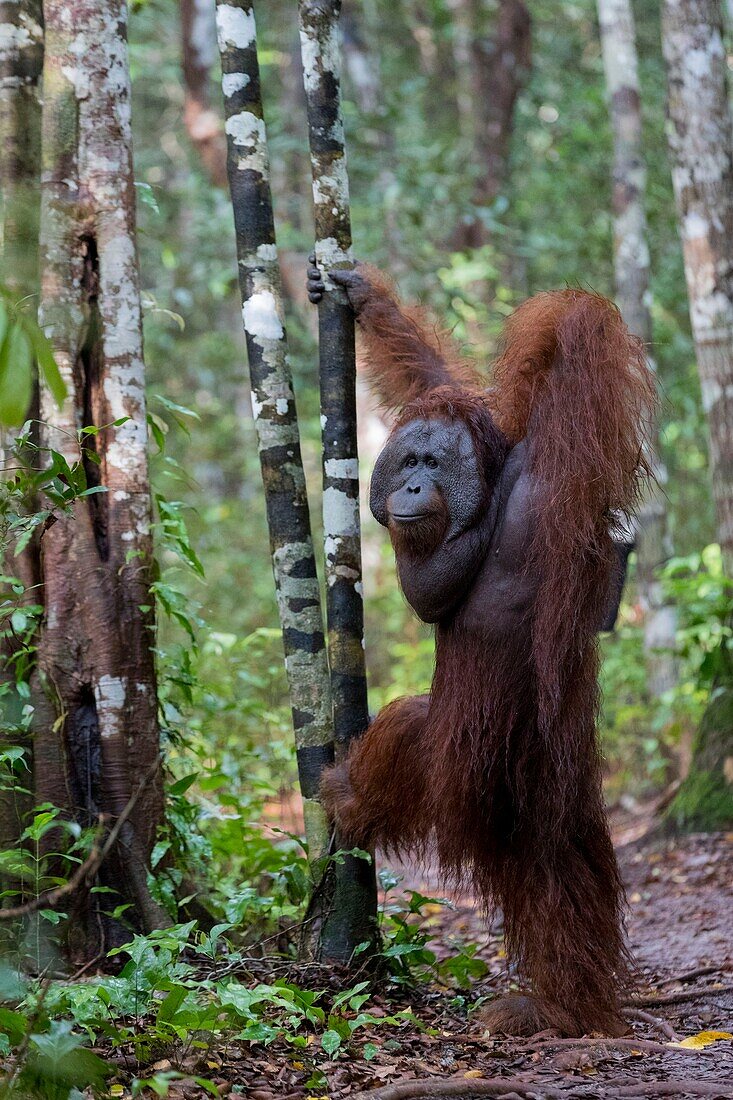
[{"x": 499, "y": 767}]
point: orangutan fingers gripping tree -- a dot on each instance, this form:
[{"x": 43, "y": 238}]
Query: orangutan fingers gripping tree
[{"x": 500, "y": 503}]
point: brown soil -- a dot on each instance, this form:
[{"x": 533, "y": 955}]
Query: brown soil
[{"x": 681, "y": 931}]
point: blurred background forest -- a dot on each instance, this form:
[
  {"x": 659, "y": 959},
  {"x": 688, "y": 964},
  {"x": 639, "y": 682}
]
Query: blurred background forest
[{"x": 414, "y": 174}]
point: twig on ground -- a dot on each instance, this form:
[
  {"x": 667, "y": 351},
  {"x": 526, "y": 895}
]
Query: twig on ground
[
  {"x": 435, "y": 1088},
  {"x": 660, "y": 1025},
  {"x": 51, "y": 899},
  {"x": 679, "y": 998},
  {"x": 689, "y": 975},
  {"x": 645, "y": 1045}
]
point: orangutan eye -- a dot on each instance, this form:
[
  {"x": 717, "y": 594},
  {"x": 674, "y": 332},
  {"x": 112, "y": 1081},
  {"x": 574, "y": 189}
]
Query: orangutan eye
[
  {"x": 431, "y": 462},
  {"x": 412, "y": 461}
]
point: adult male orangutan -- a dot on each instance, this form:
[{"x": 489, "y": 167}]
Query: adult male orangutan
[{"x": 500, "y": 503}]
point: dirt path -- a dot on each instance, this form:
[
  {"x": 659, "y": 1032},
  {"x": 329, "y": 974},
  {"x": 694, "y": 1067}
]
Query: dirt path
[{"x": 681, "y": 931}]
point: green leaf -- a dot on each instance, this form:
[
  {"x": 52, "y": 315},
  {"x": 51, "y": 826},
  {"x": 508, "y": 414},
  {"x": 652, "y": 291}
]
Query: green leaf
[
  {"x": 19, "y": 620},
  {"x": 331, "y": 1041},
  {"x": 52, "y": 916},
  {"x": 169, "y": 1007},
  {"x": 13, "y": 1024},
  {"x": 46, "y": 361},
  {"x": 147, "y": 196},
  {"x": 181, "y": 785},
  {"x": 16, "y": 376}
]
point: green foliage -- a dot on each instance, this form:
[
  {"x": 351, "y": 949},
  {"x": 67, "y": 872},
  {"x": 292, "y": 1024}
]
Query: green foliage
[
  {"x": 642, "y": 735},
  {"x": 22, "y": 342},
  {"x": 406, "y": 934}
]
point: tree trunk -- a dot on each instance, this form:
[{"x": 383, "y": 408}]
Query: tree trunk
[
  {"x": 198, "y": 51},
  {"x": 701, "y": 151},
  {"x": 21, "y": 65},
  {"x": 275, "y": 415},
  {"x": 497, "y": 50},
  {"x": 631, "y": 264},
  {"x": 95, "y": 655},
  {"x": 353, "y": 917}
]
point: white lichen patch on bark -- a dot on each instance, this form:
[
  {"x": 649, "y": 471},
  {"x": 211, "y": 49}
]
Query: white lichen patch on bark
[
  {"x": 319, "y": 55},
  {"x": 329, "y": 253},
  {"x": 261, "y": 315},
  {"x": 14, "y": 38},
  {"x": 235, "y": 27},
  {"x": 342, "y": 468},
  {"x": 340, "y": 513},
  {"x": 110, "y": 696},
  {"x": 333, "y": 189},
  {"x": 247, "y": 131},
  {"x": 233, "y": 82}
]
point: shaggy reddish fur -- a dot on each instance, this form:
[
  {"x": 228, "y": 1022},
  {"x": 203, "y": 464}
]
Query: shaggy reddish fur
[
  {"x": 499, "y": 767},
  {"x": 402, "y": 354}
]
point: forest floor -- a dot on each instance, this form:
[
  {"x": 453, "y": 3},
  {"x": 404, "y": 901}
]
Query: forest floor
[{"x": 681, "y": 931}]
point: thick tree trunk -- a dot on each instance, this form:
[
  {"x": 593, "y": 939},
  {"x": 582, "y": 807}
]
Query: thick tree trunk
[
  {"x": 631, "y": 264},
  {"x": 275, "y": 415},
  {"x": 21, "y": 66},
  {"x": 493, "y": 61},
  {"x": 198, "y": 52},
  {"x": 701, "y": 150},
  {"x": 353, "y": 917},
  {"x": 95, "y": 656}
]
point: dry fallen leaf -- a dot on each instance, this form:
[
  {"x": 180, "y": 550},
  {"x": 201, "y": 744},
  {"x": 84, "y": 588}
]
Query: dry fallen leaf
[
  {"x": 473, "y": 1073},
  {"x": 703, "y": 1039}
]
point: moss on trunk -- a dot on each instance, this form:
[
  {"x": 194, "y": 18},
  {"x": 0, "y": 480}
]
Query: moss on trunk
[{"x": 705, "y": 799}]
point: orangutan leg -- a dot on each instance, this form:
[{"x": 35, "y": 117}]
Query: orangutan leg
[
  {"x": 563, "y": 925},
  {"x": 375, "y": 795}
]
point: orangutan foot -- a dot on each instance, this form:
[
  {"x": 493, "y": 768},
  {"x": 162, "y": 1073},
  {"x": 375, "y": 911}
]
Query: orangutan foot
[{"x": 525, "y": 1014}]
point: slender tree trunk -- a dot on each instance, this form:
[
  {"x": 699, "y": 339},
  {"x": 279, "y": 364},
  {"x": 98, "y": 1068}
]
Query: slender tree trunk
[
  {"x": 497, "y": 46},
  {"x": 275, "y": 415},
  {"x": 21, "y": 65},
  {"x": 198, "y": 52},
  {"x": 631, "y": 263},
  {"x": 95, "y": 656},
  {"x": 353, "y": 919},
  {"x": 701, "y": 151}
]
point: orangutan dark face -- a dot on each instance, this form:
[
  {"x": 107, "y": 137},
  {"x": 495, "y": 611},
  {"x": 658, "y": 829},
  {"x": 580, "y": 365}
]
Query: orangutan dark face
[{"x": 427, "y": 484}]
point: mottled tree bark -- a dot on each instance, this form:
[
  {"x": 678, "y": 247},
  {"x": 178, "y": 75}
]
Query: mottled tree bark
[
  {"x": 95, "y": 656},
  {"x": 198, "y": 51},
  {"x": 353, "y": 918},
  {"x": 21, "y": 65},
  {"x": 631, "y": 265},
  {"x": 701, "y": 151},
  {"x": 275, "y": 416},
  {"x": 493, "y": 60}
]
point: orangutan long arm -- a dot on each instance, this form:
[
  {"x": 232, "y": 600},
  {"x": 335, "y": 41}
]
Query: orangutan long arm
[
  {"x": 434, "y": 586},
  {"x": 405, "y": 355}
]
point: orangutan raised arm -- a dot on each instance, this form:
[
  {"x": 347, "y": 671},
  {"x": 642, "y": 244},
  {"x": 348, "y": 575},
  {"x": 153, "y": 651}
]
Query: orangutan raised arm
[{"x": 403, "y": 354}]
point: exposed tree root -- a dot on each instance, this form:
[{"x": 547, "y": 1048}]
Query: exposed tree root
[
  {"x": 661, "y": 1025},
  {"x": 525, "y": 1088},
  {"x": 679, "y": 998}
]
